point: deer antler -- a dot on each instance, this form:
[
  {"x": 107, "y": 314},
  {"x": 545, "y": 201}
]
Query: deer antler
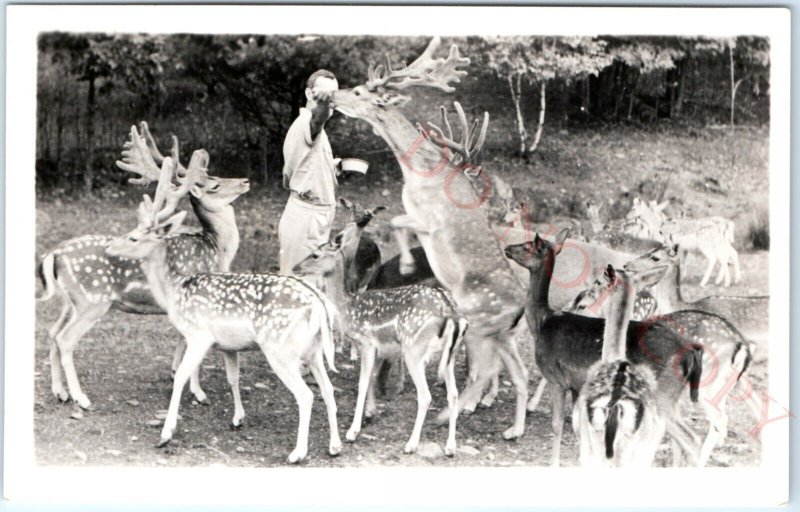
[
  {"x": 137, "y": 159},
  {"x": 152, "y": 148},
  {"x": 468, "y": 148},
  {"x": 425, "y": 71}
]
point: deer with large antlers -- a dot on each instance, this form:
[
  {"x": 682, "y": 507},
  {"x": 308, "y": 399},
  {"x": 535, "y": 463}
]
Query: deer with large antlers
[
  {"x": 445, "y": 212},
  {"x": 289, "y": 320},
  {"x": 90, "y": 282}
]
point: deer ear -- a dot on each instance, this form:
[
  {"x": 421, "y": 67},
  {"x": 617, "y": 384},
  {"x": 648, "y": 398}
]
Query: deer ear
[
  {"x": 636, "y": 201},
  {"x": 662, "y": 206},
  {"x": 379, "y": 209},
  {"x": 649, "y": 278},
  {"x": 197, "y": 191},
  {"x": 673, "y": 249},
  {"x": 170, "y": 225},
  {"x": 347, "y": 204},
  {"x": 537, "y": 241},
  {"x": 610, "y": 273}
]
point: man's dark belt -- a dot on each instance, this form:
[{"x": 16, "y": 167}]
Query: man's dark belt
[{"x": 312, "y": 202}]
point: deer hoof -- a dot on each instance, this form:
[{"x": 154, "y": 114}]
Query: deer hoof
[
  {"x": 335, "y": 448},
  {"x": 237, "y": 423},
  {"x": 61, "y": 395},
  {"x": 163, "y": 442},
  {"x": 296, "y": 456},
  {"x": 83, "y": 401},
  {"x": 450, "y": 449},
  {"x": 410, "y": 447},
  {"x": 511, "y": 434},
  {"x": 351, "y": 435}
]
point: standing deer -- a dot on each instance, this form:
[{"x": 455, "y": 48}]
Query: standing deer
[
  {"x": 421, "y": 321},
  {"x": 616, "y": 415},
  {"x": 287, "y": 319},
  {"x": 90, "y": 282},
  {"x": 567, "y": 345},
  {"x": 710, "y": 236}
]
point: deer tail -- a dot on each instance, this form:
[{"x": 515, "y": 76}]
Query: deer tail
[
  {"x": 325, "y": 312},
  {"x": 46, "y": 270},
  {"x": 612, "y": 424},
  {"x": 453, "y": 329}
]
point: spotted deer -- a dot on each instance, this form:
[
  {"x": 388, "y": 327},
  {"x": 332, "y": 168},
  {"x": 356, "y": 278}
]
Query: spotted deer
[
  {"x": 287, "y": 319},
  {"x": 710, "y": 236},
  {"x": 90, "y": 283},
  {"x": 417, "y": 320},
  {"x": 749, "y": 314},
  {"x": 567, "y": 345},
  {"x": 616, "y": 416}
]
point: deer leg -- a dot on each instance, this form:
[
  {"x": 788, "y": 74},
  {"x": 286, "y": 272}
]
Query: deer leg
[
  {"x": 712, "y": 260},
  {"x": 317, "y": 366},
  {"x": 353, "y": 351},
  {"x": 557, "y": 423},
  {"x": 416, "y": 368},
  {"x": 519, "y": 376},
  {"x": 232, "y": 373},
  {"x": 407, "y": 265},
  {"x": 403, "y": 225},
  {"x": 195, "y": 389},
  {"x": 494, "y": 388},
  {"x": 452, "y": 405},
  {"x": 56, "y": 374},
  {"x": 367, "y": 363},
  {"x": 180, "y": 348},
  {"x": 533, "y": 403},
  {"x": 288, "y": 370},
  {"x": 67, "y": 339},
  {"x": 195, "y": 352}
]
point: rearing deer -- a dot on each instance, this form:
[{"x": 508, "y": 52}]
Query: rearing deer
[
  {"x": 446, "y": 213},
  {"x": 90, "y": 282}
]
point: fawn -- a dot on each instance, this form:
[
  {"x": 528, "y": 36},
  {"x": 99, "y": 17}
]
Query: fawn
[
  {"x": 287, "y": 319},
  {"x": 710, "y": 236},
  {"x": 567, "y": 345},
  {"x": 421, "y": 321}
]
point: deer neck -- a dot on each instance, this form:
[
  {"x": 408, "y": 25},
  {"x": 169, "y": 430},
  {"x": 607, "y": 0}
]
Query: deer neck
[
  {"x": 161, "y": 279},
  {"x": 617, "y": 319},
  {"x": 669, "y": 291},
  {"x": 333, "y": 285},
  {"x": 537, "y": 305},
  {"x": 219, "y": 228},
  {"x": 420, "y": 161}
]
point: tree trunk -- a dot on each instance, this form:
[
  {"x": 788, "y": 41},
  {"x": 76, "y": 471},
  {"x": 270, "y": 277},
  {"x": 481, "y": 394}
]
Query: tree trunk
[
  {"x": 632, "y": 94},
  {"x": 619, "y": 83},
  {"x": 682, "y": 70},
  {"x": 733, "y": 88},
  {"x": 516, "y": 93},
  {"x": 88, "y": 175},
  {"x": 542, "y": 103}
]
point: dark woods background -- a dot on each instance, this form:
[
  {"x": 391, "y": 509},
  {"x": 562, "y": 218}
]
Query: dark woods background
[{"x": 237, "y": 95}]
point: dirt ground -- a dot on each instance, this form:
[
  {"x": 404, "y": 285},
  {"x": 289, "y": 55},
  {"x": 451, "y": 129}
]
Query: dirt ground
[{"x": 124, "y": 362}]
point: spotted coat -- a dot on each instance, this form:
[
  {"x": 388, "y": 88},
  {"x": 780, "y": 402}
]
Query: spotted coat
[
  {"x": 103, "y": 278},
  {"x": 396, "y": 315}
]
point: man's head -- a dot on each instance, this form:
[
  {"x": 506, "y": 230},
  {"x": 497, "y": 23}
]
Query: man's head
[{"x": 320, "y": 81}]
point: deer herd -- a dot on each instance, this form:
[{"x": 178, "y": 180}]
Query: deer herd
[{"x": 626, "y": 350}]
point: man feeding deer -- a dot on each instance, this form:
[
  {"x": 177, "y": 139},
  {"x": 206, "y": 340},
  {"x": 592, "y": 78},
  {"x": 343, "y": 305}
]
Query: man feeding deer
[{"x": 309, "y": 172}]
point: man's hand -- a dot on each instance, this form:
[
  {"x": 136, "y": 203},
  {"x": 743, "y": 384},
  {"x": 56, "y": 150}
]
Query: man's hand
[{"x": 323, "y": 97}]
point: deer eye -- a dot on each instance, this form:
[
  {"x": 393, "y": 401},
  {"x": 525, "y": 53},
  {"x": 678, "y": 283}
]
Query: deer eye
[
  {"x": 133, "y": 239},
  {"x": 315, "y": 256},
  {"x": 357, "y": 92}
]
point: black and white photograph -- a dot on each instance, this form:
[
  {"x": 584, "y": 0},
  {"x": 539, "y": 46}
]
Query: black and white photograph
[{"x": 484, "y": 243}]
